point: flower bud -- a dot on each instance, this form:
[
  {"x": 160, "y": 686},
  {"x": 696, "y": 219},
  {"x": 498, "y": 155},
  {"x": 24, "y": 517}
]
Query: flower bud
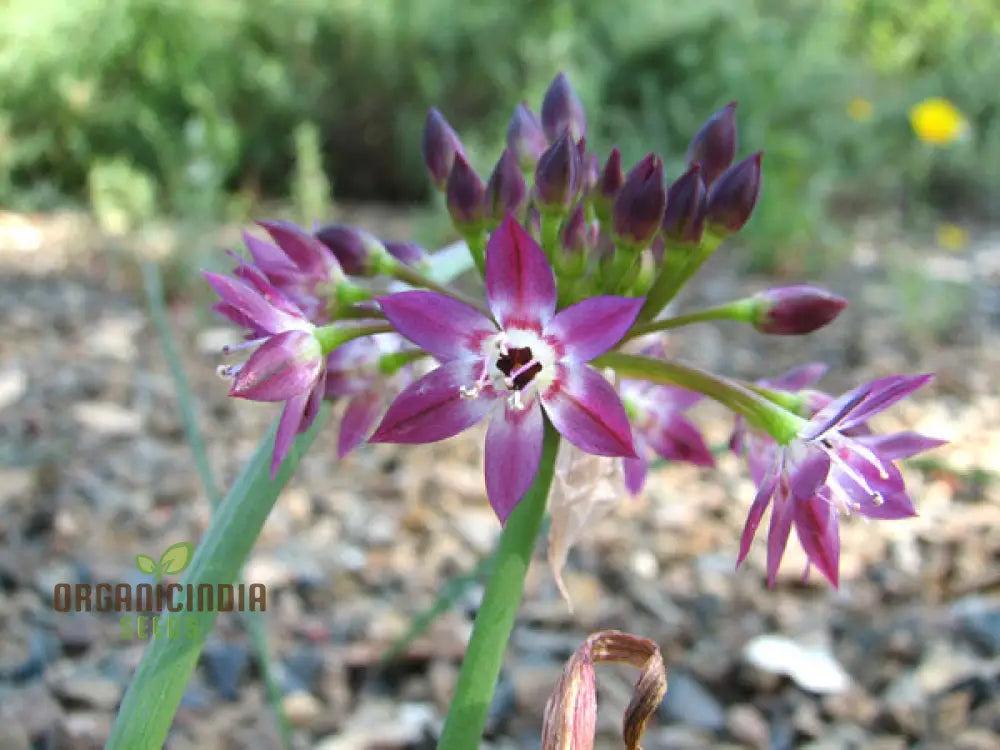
[
  {"x": 506, "y": 189},
  {"x": 732, "y": 198},
  {"x": 590, "y": 167},
  {"x": 557, "y": 176},
  {"x": 310, "y": 256},
  {"x": 570, "y": 718},
  {"x": 440, "y": 145},
  {"x": 714, "y": 145},
  {"x": 638, "y": 208},
  {"x": 795, "y": 310},
  {"x": 684, "y": 219},
  {"x": 609, "y": 181},
  {"x": 409, "y": 253},
  {"x": 464, "y": 194},
  {"x": 562, "y": 110},
  {"x": 525, "y": 137},
  {"x": 358, "y": 252},
  {"x": 572, "y": 260}
]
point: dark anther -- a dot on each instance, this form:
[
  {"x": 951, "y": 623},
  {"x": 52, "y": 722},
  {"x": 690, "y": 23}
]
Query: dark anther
[{"x": 515, "y": 359}]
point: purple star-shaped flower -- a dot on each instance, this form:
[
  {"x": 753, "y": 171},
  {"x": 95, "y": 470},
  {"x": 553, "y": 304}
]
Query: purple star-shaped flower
[
  {"x": 834, "y": 464},
  {"x": 661, "y": 428},
  {"x": 287, "y": 362},
  {"x": 531, "y": 358}
]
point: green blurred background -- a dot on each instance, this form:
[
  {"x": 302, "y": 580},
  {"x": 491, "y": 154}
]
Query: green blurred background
[{"x": 205, "y": 108}]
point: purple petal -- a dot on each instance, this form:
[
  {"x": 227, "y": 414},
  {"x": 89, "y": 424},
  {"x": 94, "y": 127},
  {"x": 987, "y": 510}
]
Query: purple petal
[
  {"x": 432, "y": 408},
  {"x": 252, "y": 304},
  {"x": 677, "y": 439},
  {"x": 798, "y": 378},
  {"x": 874, "y": 491},
  {"x": 670, "y": 398},
  {"x": 519, "y": 282},
  {"x": 313, "y": 404},
  {"x": 360, "y": 416},
  {"x": 782, "y": 515},
  {"x": 308, "y": 253},
  {"x": 446, "y": 328},
  {"x": 585, "y": 408},
  {"x": 635, "y": 472},
  {"x": 899, "y": 445},
  {"x": 818, "y": 532},
  {"x": 806, "y": 477},
  {"x": 288, "y": 427},
  {"x": 280, "y": 368},
  {"x": 591, "y": 327},
  {"x": 882, "y": 394},
  {"x": 513, "y": 451},
  {"x": 760, "y": 502},
  {"x": 270, "y": 259}
]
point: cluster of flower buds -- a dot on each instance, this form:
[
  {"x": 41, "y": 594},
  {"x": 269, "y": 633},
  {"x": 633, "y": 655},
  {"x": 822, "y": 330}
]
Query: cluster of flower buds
[{"x": 578, "y": 259}]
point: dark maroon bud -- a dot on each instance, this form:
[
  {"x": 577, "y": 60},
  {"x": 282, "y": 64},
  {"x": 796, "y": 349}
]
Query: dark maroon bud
[
  {"x": 573, "y": 237},
  {"x": 357, "y": 251},
  {"x": 638, "y": 208},
  {"x": 464, "y": 194},
  {"x": 612, "y": 175},
  {"x": 714, "y": 145},
  {"x": 506, "y": 189},
  {"x": 409, "y": 253},
  {"x": 732, "y": 198},
  {"x": 525, "y": 137},
  {"x": 684, "y": 219},
  {"x": 557, "y": 176},
  {"x": 795, "y": 310},
  {"x": 562, "y": 110},
  {"x": 440, "y": 145}
]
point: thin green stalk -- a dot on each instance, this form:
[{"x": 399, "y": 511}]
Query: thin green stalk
[
  {"x": 187, "y": 407},
  {"x": 403, "y": 272},
  {"x": 730, "y": 311},
  {"x": 149, "y": 705},
  {"x": 680, "y": 263},
  {"x": 463, "y": 727},
  {"x": 758, "y": 410}
]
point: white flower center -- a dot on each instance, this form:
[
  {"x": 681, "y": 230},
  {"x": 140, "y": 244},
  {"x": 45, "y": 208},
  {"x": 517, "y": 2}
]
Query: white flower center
[{"x": 517, "y": 361}]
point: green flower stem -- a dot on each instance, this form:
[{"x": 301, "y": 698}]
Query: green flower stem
[
  {"x": 332, "y": 336},
  {"x": 476, "y": 240},
  {"x": 680, "y": 263},
  {"x": 741, "y": 310},
  {"x": 390, "y": 364},
  {"x": 786, "y": 399},
  {"x": 349, "y": 294},
  {"x": 759, "y": 411},
  {"x": 551, "y": 221},
  {"x": 413, "y": 277},
  {"x": 148, "y": 708},
  {"x": 463, "y": 727}
]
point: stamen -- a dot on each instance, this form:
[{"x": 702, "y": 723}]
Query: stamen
[
  {"x": 230, "y": 348},
  {"x": 511, "y": 380},
  {"x": 227, "y": 371},
  {"x": 514, "y": 401}
]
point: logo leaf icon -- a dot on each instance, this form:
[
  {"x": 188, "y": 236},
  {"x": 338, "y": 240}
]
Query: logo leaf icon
[
  {"x": 145, "y": 564},
  {"x": 176, "y": 557}
]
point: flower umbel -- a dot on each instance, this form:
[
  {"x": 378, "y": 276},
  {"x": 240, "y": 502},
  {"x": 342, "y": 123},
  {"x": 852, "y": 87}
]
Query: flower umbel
[{"x": 531, "y": 358}]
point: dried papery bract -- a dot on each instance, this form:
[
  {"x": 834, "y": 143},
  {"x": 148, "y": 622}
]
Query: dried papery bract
[{"x": 570, "y": 718}]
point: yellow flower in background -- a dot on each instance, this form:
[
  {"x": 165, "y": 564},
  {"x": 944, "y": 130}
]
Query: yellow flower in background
[
  {"x": 860, "y": 109},
  {"x": 951, "y": 237},
  {"x": 938, "y": 122}
]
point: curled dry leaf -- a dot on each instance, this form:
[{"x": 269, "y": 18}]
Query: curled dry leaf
[
  {"x": 570, "y": 719},
  {"x": 585, "y": 488}
]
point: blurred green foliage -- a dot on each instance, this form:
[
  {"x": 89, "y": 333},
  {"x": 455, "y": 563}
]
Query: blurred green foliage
[{"x": 206, "y": 99}]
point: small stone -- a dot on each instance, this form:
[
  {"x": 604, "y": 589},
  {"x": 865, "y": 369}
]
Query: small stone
[
  {"x": 302, "y": 709},
  {"x": 87, "y": 690},
  {"x": 442, "y": 675},
  {"x": 812, "y": 669},
  {"x": 13, "y": 385},
  {"x": 107, "y": 418},
  {"x": 976, "y": 739},
  {"x": 689, "y": 702},
  {"x": 15, "y": 483},
  {"x": 747, "y": 724},
  {"x": 224, "y": 666},
  {"x": 87, "y": 730}
]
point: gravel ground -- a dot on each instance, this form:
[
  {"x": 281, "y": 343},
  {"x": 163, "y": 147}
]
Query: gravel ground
[{"x": 95, "y": 470}]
